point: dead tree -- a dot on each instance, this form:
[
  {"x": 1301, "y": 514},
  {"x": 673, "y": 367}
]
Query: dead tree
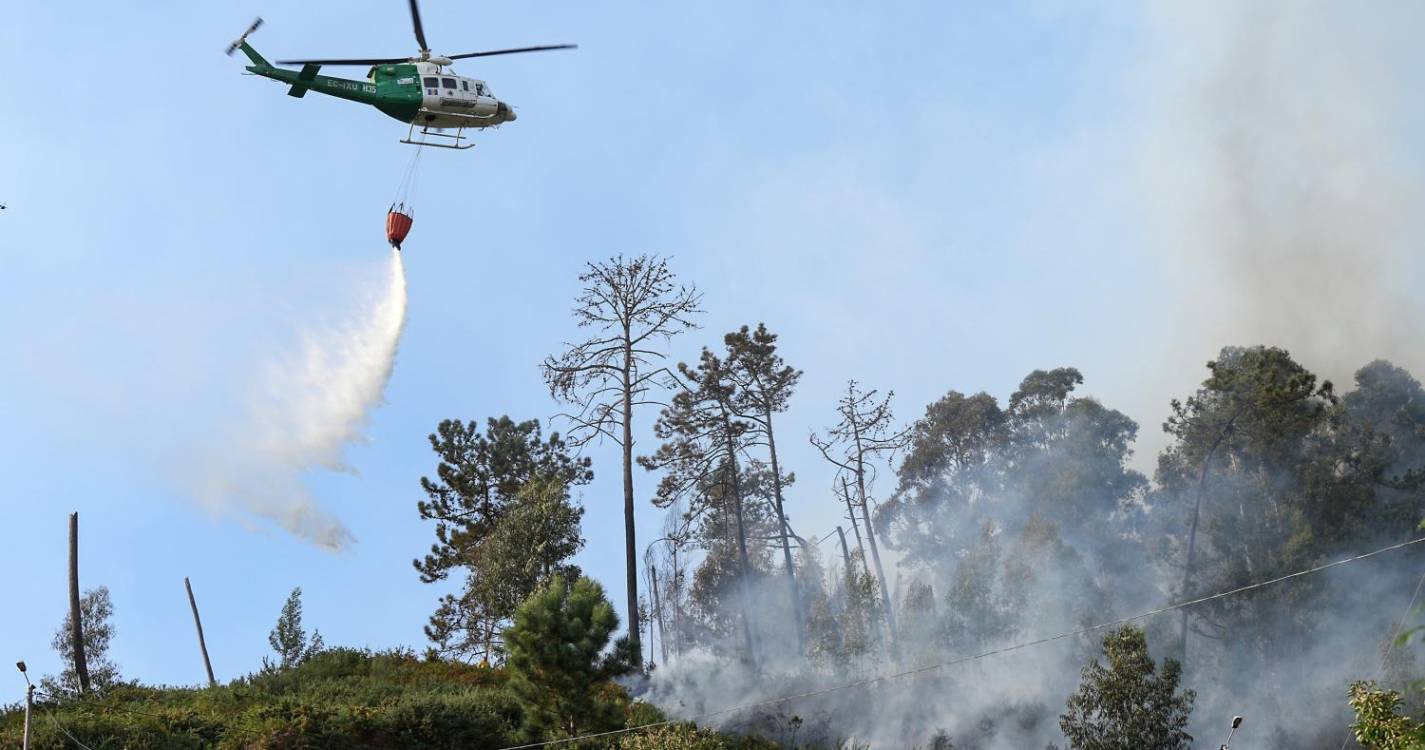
[
  {"x": 855, "y": 524},
  {"x": 863, "y": 436},
  {"x": 76, "y": 627},
  {"x": 198, "y": 623},
  {"x": 631, "y": 305}
]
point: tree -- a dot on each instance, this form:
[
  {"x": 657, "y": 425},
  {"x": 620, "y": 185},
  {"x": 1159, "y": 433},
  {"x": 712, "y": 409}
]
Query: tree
[
  {"x": 764, "y": 386},
  {"x": 1378, "y": 724},
  {"x": 531, "y": 544},
  {"x": 702, "y": 440},
  {"x": 289, "y": 639},
  {"x": 863, "y": 435},
  {"x": 952, "y": 464},
  {"x": 95, "y": 611},
  {"x": 1128, "y": 705},
  {"x": 558, "y": 670},
  {"x": 479, "y": 481},
  {"x": 630, "y": 304}
]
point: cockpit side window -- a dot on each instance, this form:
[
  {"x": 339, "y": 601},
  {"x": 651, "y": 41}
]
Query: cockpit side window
[
  {"x": 464, "y": 85},
  {"x": 431, "y": 83}
]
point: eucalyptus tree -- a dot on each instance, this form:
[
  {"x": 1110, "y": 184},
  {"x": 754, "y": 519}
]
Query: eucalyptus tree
[
  {"x": 765, "y": 384},
  {"x": 96, "y": 610},
  {"x": 1129, "y": 703},
  {"x": 630, "y": 305},
  {"x": 854, "y": 444}
]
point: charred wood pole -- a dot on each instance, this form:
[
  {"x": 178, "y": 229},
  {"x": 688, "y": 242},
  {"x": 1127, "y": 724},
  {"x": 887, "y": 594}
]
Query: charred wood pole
[
  {"x": 658, "y": 612},
  {"x": 198, "y": 623},
  {"x": 76, "y": 627}
]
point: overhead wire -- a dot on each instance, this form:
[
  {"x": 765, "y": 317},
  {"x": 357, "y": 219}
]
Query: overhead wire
[
  {"x": 50, "y": 715},
  {"x": 979, "y": 656}
]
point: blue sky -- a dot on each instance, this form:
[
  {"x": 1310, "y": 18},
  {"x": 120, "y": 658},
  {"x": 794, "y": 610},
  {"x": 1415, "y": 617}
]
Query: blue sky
[{"x": 922, "y": 196}]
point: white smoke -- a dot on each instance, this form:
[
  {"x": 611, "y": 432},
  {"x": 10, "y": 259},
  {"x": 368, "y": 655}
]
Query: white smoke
[{"x": 308, "y": 407}]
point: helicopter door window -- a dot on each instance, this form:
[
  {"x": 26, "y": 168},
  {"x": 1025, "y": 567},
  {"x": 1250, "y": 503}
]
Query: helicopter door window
[
  {"x": 448, "y": 82},
  {"x": 432, "y": 85}
]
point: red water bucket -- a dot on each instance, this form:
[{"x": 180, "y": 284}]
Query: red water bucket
[{"x": 398, "y": 225}]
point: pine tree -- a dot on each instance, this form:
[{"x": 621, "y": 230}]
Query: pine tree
[
  {"x": 632, "y": 305},
  {"x": 495, "y": 493},
  {"x": 558, "y": 670}
]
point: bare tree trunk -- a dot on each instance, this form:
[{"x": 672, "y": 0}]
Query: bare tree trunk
[
  {"x": 786, "y": 544},
  {"x": 76, "y": 627},
  {"x": 630, "y": 532},
  {"x": 198, "y": 623},
  {"x": 741, "y": 546},
  {"x": 875, "y": 551},
  {"x": 677, "y": 581},
  {"x": 1192, "y": 536},
  {"x": 658, "y": 613},
  {"x": 845, "y": 556},
  {"x": 855, "y": 525}
]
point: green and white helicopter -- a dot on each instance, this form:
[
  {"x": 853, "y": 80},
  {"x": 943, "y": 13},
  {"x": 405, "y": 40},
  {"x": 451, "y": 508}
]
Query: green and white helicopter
[{"x": 422, "y": 91}]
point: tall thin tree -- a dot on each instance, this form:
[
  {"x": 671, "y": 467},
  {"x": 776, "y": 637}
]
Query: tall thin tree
[
  {"x": 76, "y": 620},
  {"x": 864, "y": 435},
  {"x": 764, "y": 386},
  {"x": 703, "y": 439},
  {"x": 630, "y": 305}
]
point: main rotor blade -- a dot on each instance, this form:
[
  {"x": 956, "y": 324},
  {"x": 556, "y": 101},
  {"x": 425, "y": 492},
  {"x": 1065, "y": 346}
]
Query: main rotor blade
[
  {"x": 420, "y": 31},
  {"x": 363, "y": 61},
  {"x": 493, "y": 52}
]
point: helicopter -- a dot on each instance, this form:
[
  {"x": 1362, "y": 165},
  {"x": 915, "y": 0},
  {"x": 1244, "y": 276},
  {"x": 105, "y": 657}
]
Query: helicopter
[{"x": 422, "y": 91}]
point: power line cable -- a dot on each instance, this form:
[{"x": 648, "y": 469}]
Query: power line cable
[
  {"x": 64, "y": 731},
  {"x": 977, "y": 657}
]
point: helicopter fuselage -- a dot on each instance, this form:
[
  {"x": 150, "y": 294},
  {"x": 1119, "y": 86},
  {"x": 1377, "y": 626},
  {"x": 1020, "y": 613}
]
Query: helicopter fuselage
[{"x": 421, "y": 93}]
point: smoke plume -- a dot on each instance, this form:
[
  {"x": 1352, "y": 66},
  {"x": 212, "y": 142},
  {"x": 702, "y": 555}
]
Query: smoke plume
[
  {"x": 308, "y": 407},
  {"x": 1281, "y": 176}
]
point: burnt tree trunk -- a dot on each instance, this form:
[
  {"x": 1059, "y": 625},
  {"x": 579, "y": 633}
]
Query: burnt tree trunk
[
  {"x": 630, "y": 531},
  {"x": 746, "y": 565},
  {"x": 76, "y": 626},
  {"x": 855, "y": 525},
  {"x": 198, "y": 623},
  {"x": 875, "y": 551},
  {"x": 783, "y": 532}
]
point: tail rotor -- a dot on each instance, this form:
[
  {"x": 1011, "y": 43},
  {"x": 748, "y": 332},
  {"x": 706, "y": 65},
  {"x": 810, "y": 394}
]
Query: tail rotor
[{"x": 234, "y": 46}]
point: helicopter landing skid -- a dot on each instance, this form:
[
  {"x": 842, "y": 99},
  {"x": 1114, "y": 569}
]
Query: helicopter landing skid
[{"x": 427, "y": 134}]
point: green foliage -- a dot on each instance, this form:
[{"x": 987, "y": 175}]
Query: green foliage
[
  {"x": 685, "y": 736},
  {"x": 1378, "y": 725},
  {"x": 1128, "y": 705},
  {"x": 1279, "y": 473},
  {"x": 288, "y": 639},
  {"x": 559, "y": 672},
  {"x": 1059, "y": 456},
  {"x": 95, "y": 611},
  {"x": 339, "y": 699},
  {"x": 482, "y": 479}
]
